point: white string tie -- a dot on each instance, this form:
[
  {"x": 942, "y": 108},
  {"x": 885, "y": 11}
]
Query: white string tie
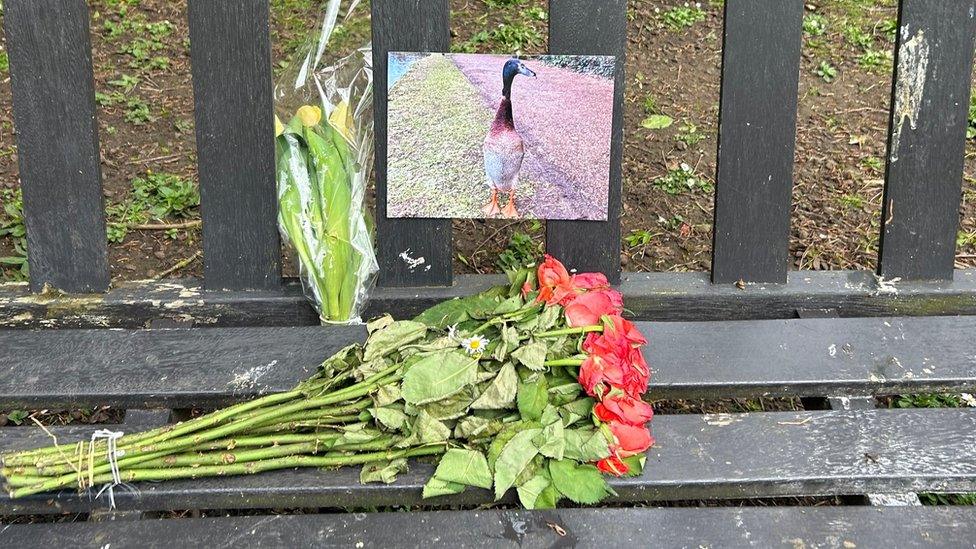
[{"x": 111, "y": 437}]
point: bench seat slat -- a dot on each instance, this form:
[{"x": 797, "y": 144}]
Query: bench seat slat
[
  {"x": 214, "y": 366},
  {"x": 663, "y": 527},
  {"x": 697, "y": 457}
]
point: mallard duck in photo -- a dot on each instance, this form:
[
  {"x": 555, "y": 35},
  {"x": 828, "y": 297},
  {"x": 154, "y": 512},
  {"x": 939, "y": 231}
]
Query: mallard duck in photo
[{"x": 504, "y": 148}]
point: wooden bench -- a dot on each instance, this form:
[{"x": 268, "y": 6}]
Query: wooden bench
[{"x": 749, "y": 329}]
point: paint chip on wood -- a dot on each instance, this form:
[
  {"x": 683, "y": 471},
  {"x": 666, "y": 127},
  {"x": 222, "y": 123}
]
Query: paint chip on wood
[{"x": 913, "y": 64}]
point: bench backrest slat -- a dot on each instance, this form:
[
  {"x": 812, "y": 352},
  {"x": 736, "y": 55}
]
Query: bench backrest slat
[
  {"x": 933, "y": 72},
  {"x": 757, "y": 130},
  {"x": 407, "y": 25},
  {"x": 592, "y": 27},
  {"x": 57, "y": 136},
  {"x": 231, "y": 58}
]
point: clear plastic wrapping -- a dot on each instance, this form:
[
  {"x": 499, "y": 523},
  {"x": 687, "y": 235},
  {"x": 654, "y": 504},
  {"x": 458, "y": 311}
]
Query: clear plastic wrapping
[{"x": 324, "y": 153}]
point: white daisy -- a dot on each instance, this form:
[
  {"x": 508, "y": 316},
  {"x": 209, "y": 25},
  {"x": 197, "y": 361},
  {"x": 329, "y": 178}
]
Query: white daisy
[{"x": 475, "y": 345}]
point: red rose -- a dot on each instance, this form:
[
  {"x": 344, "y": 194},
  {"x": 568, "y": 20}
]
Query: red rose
[
  {"x": 631, "y": 439},
  {"x": 591, "y": 281},
  {"x": 555, "y": 284},
  {"x": 587, "y": 309},
  {"x": 623, "y": 408},
  {"x": 624, "y": 331},
  {"x": 613, "y": 465},
  {"x": 599, "y": 370}
]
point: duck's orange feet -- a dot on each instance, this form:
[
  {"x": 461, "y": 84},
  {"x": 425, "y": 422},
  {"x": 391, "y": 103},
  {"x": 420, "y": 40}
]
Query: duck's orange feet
[
  {"x": 492, "y": 209},
  {"x": 510, "y": 212}
]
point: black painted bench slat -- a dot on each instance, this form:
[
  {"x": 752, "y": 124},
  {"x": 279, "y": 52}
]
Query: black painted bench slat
[
  {"x": 210, "y": 367},
  {"x": 675, "y": 527},
  {"x": 649, "y": 296},
  {"x": 699, "y": 457}
]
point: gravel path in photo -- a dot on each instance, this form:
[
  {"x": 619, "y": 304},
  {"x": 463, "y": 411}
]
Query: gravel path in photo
[
  {"x": 565, "y": 134},
  {"x": 435, "y": 166}
]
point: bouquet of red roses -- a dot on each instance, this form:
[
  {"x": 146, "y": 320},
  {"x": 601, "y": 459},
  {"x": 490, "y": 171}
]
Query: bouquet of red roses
[{"x": 535, "y": 386}]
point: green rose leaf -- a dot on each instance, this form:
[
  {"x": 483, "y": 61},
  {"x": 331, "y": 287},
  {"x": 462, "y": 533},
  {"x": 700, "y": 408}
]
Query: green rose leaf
[
  {"x": 445, "y": 314},
  {"x": 382, "y": 471},
  {"x": 585, "y": 445},
  {"x": 501, "y": 393},
  {"x": 437, "y": 487},
  {"x": 387, "y": 394},
  {"x": 549, "y": 498},
  {"x": 467, "y": 467},
  {"x": 514, "y": 458},
  {"x": 425, "y": 430},
  {"x": 453, "y": 407},
  {"x": 532, "y": 356},
  {"x": 379, "y": 323},
  {"x": 357, "y": 435},
  {"x": 439, "y": 376},
  {"x": 533, "y": 396},
  {"x": 552, "y": 441},
  {"x": 391, "y": 418},
  {"x": 635, "y": 465},
  {"x": 392, "y": 337},
  {"x": 529, "y": 492},
  {"x": 471, "y": 427},
  {"x": 576, "y": 410},
  {"x": 510, "y": 305},
  {"x": 549, "y": 317},
  {"x": 501, "y": 439},
  {"x": 582, "y": 484},
  {"x": 509, "y": 341}
]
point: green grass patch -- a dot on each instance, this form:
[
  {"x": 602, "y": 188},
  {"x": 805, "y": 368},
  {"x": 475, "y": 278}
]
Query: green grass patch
[
  {"x": 155, "y": 196},
  {"x": 13, "y": 267},
  {"x": 680, "y": 18},
  {"x": 681, "y": 180}
]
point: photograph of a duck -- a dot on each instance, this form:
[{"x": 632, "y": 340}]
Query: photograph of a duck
[{"x": 504, "y": 148}]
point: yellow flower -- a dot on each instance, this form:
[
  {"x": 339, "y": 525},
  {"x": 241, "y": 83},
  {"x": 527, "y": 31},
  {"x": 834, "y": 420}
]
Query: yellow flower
[
  {"x": 310, "y": 115},
  {"x": 279, "y": 127},
  {"x": 341, "y": 121}
]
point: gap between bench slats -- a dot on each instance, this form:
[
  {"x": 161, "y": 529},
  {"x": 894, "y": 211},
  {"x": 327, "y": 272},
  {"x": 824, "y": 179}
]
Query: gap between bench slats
[
  {"x": 214, "y": 366},
  {"x": 697, "y": 457},
  {"x": 662, "y": 527}
]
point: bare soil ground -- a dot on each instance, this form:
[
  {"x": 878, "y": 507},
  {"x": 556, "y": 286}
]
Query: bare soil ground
[{"x": 673, "y": 68}]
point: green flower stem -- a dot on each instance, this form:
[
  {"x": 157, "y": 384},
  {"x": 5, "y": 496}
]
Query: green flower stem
[
  {"x": 569, "y": 331},
  {"x": 565, "y": 362},
  {"x": 279, "y": 446},
  {"x": 176, "y": 440},
  {"x": 288, "y": 462},
  {"x": 273, "y": 426},
  {"x": 47, "y": 456},
  {"x": 323, "y": 423}
]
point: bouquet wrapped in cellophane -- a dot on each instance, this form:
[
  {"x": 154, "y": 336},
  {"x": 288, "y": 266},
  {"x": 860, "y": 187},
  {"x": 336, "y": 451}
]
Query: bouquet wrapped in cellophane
[
  {"x": 535, "y": 386},
  {"x": 324, "y": 153}
]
